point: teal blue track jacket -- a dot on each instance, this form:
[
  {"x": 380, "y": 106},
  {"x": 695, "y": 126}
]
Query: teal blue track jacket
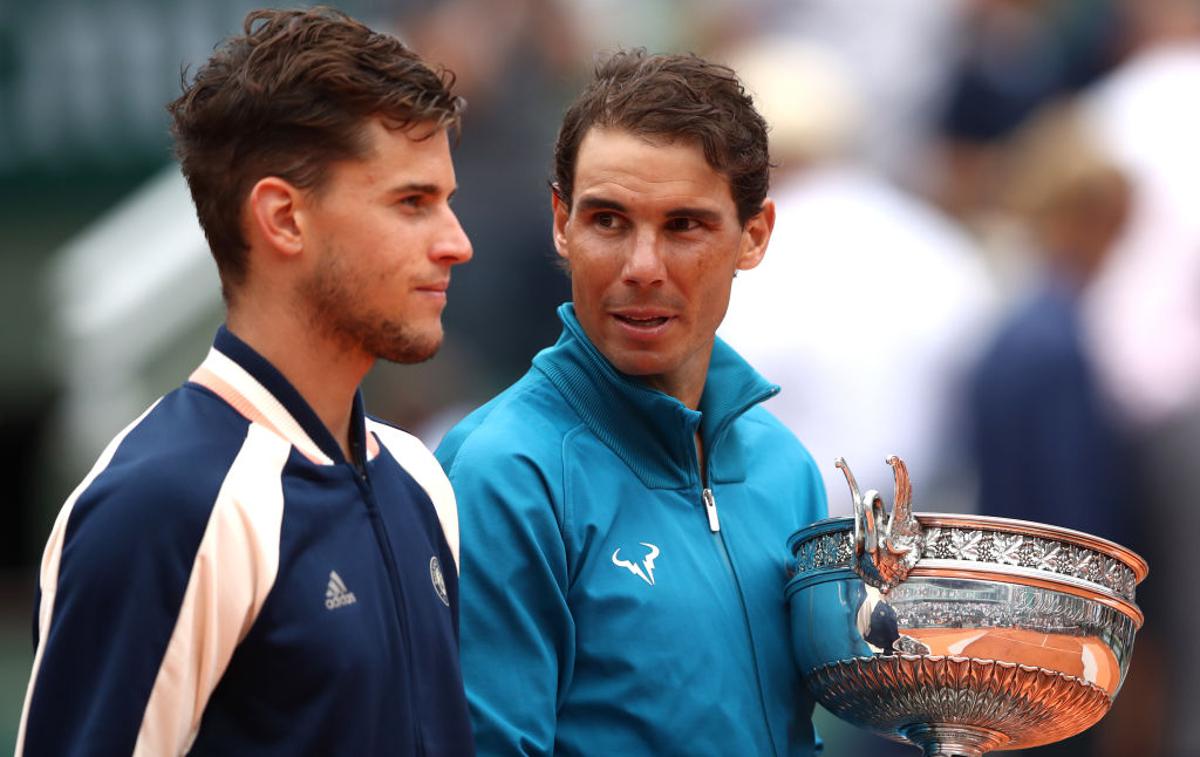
[{"x": 613, "y": 601}]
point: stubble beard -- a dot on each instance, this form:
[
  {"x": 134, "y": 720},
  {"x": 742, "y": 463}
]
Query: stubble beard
[{"x": 328, "y": 298}]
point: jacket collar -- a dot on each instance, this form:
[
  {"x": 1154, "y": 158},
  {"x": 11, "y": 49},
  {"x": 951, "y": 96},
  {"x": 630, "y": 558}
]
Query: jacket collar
[
  {"x": 652, "y": 431},
  {"x": 236, "y": 373}
]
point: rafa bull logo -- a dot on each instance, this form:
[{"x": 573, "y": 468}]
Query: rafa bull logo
[{"x": 645, "y": 570}]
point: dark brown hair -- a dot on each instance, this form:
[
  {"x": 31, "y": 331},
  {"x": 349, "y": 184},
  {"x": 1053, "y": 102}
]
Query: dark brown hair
[
  {"x": 672, "y": 97},
  {"x": 287, "y": 98}
]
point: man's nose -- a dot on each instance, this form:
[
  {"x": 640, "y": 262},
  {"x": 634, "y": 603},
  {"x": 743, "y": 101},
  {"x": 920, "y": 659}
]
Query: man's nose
[
  {"x": 644, "y": 264},
  {"x": 453, "y": 247}
]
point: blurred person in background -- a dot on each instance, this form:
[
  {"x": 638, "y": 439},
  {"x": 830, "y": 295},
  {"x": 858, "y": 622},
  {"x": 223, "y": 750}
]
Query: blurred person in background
[
  {"x": 876, "y": 301},
  {"x": 1045, "y": 439},
  {"x": 593, "y": 546},
  {"x": 253, "y": 564},
  {"x": 1045, "y": 442}
]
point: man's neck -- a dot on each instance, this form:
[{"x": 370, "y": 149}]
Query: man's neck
[
  {"x": 324, "y": 373},
  {"x": 685, "y": 384}
]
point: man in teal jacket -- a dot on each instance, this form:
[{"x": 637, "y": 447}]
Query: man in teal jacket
[{"x": 625, "y": 505}]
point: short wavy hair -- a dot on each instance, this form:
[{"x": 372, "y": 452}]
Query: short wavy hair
[
  {"x": 672, "y": 97},
  {"x": 288, "y": 97}
]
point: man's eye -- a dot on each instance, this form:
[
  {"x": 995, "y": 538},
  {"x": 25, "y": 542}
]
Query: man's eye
[
  {"x": 682, "y": 224},
  {"x": 412, "y": 201},
  {"x": 605, "y": 220}
]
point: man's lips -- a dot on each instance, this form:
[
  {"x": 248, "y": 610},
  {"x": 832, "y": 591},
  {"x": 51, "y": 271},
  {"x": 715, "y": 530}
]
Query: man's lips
[
  {"x": 437, "y": 287},
  {"x": 643, "y": 319}
]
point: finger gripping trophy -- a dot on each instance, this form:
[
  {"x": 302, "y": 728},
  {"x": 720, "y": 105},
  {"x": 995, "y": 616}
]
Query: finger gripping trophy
[{"x": 960, "y": 634}]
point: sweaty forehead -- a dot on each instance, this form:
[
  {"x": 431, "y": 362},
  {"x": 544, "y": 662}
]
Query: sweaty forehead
[{"x": 630, "y": 169}]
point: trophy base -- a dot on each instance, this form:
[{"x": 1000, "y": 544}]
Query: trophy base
[
  {"x": 953, "y": 740},
  {"x": 958, "y": 706}
]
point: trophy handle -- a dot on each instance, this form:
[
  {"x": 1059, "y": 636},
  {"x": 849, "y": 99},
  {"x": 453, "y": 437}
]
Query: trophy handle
[
  {"x": 886, "y": 547},
  {"x": 860, "y": 518},
  {"x": 902, "y": 496}
]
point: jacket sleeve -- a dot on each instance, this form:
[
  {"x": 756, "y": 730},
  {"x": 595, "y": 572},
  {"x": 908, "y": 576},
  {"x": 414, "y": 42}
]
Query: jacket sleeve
[
  {"x": 516, "y": 628},
  {"x": 145, "y": 590}
]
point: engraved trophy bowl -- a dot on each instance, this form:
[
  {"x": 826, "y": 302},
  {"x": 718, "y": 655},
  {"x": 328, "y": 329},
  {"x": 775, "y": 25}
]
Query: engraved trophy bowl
[{"x": 960, "y": 634}]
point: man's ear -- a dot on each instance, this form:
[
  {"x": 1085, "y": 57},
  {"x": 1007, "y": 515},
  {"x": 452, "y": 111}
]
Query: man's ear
[
  {"x": 756, "y": 235},
  {"x": 274, "y": 206},
  {"x": 562, "y": 214}
]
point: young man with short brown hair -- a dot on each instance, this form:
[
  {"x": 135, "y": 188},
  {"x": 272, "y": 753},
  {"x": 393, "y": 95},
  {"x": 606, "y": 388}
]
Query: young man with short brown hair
[{"x": 254, "y": 565}]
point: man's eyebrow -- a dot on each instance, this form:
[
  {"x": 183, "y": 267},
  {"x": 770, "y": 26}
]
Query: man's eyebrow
[
  {"x": 700, "y": 214},
  {"x": 704, "y": 215},
  {"x": 600, "y": 203},
  {"x": 418, "y": 187}
]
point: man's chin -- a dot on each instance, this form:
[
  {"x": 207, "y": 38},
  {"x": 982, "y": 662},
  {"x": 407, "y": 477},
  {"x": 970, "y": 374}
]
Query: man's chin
[
  {"x": 412, "y": 351},
  {"x": 638, "y": 363},
  {"x": 400, "y": 343}
]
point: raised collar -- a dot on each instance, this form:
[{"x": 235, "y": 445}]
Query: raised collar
[
  {"x": 236, "y": 373},
  {"x": 652, "y": 431}
]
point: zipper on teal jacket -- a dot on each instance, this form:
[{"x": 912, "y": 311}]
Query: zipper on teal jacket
[{"x": 709, "y": 501}]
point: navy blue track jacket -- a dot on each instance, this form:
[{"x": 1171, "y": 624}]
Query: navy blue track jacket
[{"x": 225, "y": 582}]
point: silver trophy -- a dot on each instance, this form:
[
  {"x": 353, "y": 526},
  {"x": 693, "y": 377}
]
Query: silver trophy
[{"x": 960, "y": 634}]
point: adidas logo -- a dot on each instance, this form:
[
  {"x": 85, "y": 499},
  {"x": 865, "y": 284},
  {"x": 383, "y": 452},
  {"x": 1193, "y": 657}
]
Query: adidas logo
[{"x": 336, "y": 595}]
